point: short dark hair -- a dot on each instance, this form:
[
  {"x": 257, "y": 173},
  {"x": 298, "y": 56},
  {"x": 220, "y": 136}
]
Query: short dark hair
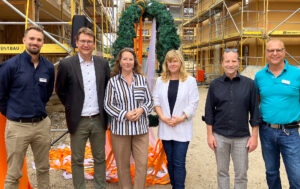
[
  {"x": 85, "y": 30},
  {"x": 36, "y": 28}
]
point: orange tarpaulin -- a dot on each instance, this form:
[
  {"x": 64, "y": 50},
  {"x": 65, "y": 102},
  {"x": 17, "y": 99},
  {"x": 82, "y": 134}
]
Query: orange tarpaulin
[
  {"x": 60, "y": 158},
  {"x": 24, "y": 182},
  {"x": 140, "y": 54}
]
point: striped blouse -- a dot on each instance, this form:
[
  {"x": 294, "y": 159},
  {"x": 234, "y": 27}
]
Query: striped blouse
[{"x": 121, "y": 98}]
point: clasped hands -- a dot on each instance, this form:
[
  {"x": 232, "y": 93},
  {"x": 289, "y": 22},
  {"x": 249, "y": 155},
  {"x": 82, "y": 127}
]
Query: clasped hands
[
  {"x": 134, "y": 114},
  {"x": 173, "y": 121}
]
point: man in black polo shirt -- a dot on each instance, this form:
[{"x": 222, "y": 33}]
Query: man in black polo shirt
[
  {"x": 230, "y": 99},
  {"x": 26, "y": 84}
]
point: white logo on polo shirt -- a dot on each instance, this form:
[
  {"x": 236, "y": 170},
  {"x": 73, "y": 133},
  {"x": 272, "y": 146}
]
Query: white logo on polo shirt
[
  {"x": 44, "y": 80},
  {"x": 285, "y": 82}
]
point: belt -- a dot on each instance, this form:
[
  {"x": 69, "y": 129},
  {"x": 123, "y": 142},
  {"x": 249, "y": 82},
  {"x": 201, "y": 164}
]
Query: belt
[
  {"x": 283, "y": 126},
  {"x": 30, "y": 120},
  {"x": 90, "y": 117}
]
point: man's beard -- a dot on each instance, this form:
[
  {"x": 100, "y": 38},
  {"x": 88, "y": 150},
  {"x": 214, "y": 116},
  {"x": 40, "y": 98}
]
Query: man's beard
[{"x": 34, "y": 52}]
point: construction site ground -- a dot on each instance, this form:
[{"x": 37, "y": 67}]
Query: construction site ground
[{"x": 200, "y": 163}]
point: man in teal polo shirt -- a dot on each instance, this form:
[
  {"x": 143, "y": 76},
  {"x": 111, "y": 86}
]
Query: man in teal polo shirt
[{"x": 278, "y": 86}]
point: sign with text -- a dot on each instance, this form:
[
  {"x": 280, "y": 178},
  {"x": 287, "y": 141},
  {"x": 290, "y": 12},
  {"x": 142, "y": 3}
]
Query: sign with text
[{"x": 19, "y": 48}]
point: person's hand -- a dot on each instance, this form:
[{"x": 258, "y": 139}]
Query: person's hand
[
  {"x": 176, "y": 120},
  {"x": 137, "y": 113},
  {"x": 211, "y": 141},
  {"x": 252, "y": 143},
  {"x": 134, "y": 114},
  {"x": 130, "y": 115},
  {"x": 166, "y": 120}
]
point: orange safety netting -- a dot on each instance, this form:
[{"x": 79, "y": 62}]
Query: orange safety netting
[
  {"x": 24, "y": 182},
  {"x": 60, "y": 158}
]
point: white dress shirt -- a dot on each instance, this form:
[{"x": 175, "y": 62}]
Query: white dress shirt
[{"x": 90, "y": 105}]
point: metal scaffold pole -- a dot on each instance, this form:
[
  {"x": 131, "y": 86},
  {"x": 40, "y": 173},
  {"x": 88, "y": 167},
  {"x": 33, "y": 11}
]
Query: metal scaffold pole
[
  {"x": 231, "y": 17},
  {"x": 32, "y": 22},
  {"x": 95, "y": 24},
  {"x": 39, "y": 23},
  {"x": 241, "y": 34},
  {"x": 284, "y": 21}
]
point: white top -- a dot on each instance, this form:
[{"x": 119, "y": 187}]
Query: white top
[
  {"x": 90, "y": 104},
  {"x": 186, "y": 102}
]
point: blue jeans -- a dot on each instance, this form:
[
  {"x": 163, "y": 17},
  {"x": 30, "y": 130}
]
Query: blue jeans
[
  {"x": 176, "y": 154},
  {"x": 274, "y": 142}
]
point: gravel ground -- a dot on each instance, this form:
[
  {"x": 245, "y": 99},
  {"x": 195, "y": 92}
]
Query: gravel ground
[{"x": 201, "y": 164}]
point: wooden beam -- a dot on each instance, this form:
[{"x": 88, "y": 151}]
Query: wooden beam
[{"x": 14, "y": 3}]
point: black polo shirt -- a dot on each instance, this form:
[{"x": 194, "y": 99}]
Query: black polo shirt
[{"x": 228, "y": 105}]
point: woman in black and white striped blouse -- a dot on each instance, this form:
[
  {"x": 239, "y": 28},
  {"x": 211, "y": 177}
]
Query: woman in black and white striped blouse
[{"x": 128, "y": 101}]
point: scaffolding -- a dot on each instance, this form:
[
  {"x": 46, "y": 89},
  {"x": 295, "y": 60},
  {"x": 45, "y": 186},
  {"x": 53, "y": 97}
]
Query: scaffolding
[
  {"x": 15, "y": 17},
  {"x": 187, "y": 33},
  {"x": 55, "y": 18},
  {"x": 241, "y": 24}
]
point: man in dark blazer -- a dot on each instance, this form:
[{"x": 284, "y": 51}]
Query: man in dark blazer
[{"x": 80, "y": 85}]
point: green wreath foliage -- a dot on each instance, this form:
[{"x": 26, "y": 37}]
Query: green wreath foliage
[{"x": 167, "y": 37}]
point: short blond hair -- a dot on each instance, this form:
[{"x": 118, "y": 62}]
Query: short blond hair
[{"x": 166, "y": 74}]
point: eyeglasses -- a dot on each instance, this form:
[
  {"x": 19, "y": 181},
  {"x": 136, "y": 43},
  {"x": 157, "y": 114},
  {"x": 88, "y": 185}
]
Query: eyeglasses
[
  {"x": 89, "y": 42},
  {"x": 231, "y": 50},
  {"x": 275, "y": 50}
]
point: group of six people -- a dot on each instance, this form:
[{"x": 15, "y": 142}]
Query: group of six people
[{"x": 94, "y": 97}]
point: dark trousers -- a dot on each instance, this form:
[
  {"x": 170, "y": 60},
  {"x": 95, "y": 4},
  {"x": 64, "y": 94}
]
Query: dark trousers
[
  {"x": 176, "y": 155},
  {"x": 92, "y": 129}
]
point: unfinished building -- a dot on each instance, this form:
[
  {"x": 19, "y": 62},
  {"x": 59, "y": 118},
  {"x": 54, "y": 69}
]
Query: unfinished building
[{"x": 241, "y": 24}]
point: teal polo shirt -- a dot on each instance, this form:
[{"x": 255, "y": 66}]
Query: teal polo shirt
[{"x": 280, "y": 97}]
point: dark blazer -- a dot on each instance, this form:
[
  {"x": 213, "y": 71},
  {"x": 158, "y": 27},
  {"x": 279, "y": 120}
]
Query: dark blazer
[{"x": 69, "y": 88}]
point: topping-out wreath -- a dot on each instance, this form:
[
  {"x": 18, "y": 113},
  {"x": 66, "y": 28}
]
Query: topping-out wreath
[{"x": 167, "y": 37}]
